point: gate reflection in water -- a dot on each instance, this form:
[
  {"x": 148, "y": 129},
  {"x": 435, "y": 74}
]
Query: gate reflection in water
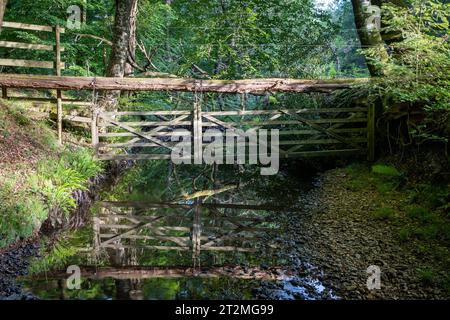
[{"x": 195, "y": 227}]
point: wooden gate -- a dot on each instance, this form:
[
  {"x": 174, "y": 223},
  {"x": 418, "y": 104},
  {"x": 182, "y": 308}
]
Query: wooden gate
[{"x": 302, "y": 132}]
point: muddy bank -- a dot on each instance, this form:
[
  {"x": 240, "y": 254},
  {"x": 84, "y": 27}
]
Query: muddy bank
[{"x": 337, "y": 234}]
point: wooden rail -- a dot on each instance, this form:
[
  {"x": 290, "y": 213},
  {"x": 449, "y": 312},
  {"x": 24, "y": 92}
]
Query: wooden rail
[{"x": 256, "y": 86}]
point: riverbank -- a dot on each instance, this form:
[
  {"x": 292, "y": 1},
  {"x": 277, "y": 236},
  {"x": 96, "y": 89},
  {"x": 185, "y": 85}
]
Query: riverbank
[
  {"x": 356, "y": 218},
  {"x": 44, "y": 187}
]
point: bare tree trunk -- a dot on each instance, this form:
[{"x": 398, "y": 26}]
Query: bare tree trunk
[{"x": 129, "y": 69}]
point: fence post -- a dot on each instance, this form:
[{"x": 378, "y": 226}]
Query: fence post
[
  {"x": 371, "y": 132},
  {"x": 4, "y": 93},
  {"x": 94, "y": 129},
  {"x": 58, "y": 73}
]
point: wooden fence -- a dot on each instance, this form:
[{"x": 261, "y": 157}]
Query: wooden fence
[{"x": 57, "y": 65}]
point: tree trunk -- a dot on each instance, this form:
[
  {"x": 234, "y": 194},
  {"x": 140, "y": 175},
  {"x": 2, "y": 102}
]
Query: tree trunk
[
  {"x": 124, "y": 25},
  {"x": 370, "y": 38},
  {"x": 129, "y": 69}
]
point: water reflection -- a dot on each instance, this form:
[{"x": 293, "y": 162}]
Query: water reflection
[
  {"x": 216, "y": 241},
  {"x": 193, "y": 227}
]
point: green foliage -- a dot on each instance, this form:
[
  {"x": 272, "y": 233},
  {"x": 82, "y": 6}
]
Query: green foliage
[
  {"x": 434, "y": 196},
  {"x": 417, "y": 71},
  {"x": 383, "y": 178},
  {"x": 427, "y": 276},
  {"x": 386, "y": 170},
  {"x": 57, "y": 180},
  {"x": 20, "y": 214},
  {"x": 56, "y": 257},
  {"x": 384, "y": 213},
  {"x": 420, "y": 214}
]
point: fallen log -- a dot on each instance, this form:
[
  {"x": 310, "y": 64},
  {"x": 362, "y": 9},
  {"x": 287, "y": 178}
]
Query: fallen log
[{"x": 256, "y": 86}]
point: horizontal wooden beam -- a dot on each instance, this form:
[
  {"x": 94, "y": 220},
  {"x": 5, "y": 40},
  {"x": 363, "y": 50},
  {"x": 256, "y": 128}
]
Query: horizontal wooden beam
[
  {"x": 77, "y": 119},
  {"x": 27, "y": 26},
  {"x": 322, "y": 153},
  {"x": 119, "y": 157},
  {"x": 27, "y": 46},
  {"x": 176, "y": 84},
  {"x": 206, "y": 134},
  {"x": 233, "y": 123},
  {"x": 232, "y": 113},
  {"x": 29, "y": 64}
]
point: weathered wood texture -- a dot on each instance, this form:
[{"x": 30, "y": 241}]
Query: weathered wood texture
[
  {"x": 26, "y": 26},
  {"x": 172, "y": 84},
  {"x": 338, "y": 132}
]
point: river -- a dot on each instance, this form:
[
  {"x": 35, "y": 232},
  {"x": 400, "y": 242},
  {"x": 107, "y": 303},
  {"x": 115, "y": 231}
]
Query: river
[{"x": 166, "y": 232}]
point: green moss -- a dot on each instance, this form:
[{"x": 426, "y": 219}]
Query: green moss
[
  {"x": 386, "y": 170},
  {"x": 384, "y": 213},
  {"x": 427, "y": 276},
  {"x": 420, "y": 214}
]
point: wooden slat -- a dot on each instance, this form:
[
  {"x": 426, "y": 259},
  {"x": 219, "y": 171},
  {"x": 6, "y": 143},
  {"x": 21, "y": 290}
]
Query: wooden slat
[
  {"x": 205, "y": 134},
  {"x": 205, "y": 144},
  {"x": 53, "y": 100},
  {"x": 77, "y": 119},
  {"x": 234, "y": 124},
  {"x": 137, "y": 133},
  {"x": 26, "y": 26},
  {"x": 321, "y": 141},
  {"x": 29, "y": 63},
  {"x": 117, "y": 157},
  {"x": 147, "y": 113},
  {"x": 271, "y": 112},
  {"x": 26, "y": 46},
  {"x": 312, "y": 154},
  {"x": 129, "y": 134},
  {"x": 142, "y": 237},
  {"x": 121, "y": 226},
  {"x": 232, "y": 113}
]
